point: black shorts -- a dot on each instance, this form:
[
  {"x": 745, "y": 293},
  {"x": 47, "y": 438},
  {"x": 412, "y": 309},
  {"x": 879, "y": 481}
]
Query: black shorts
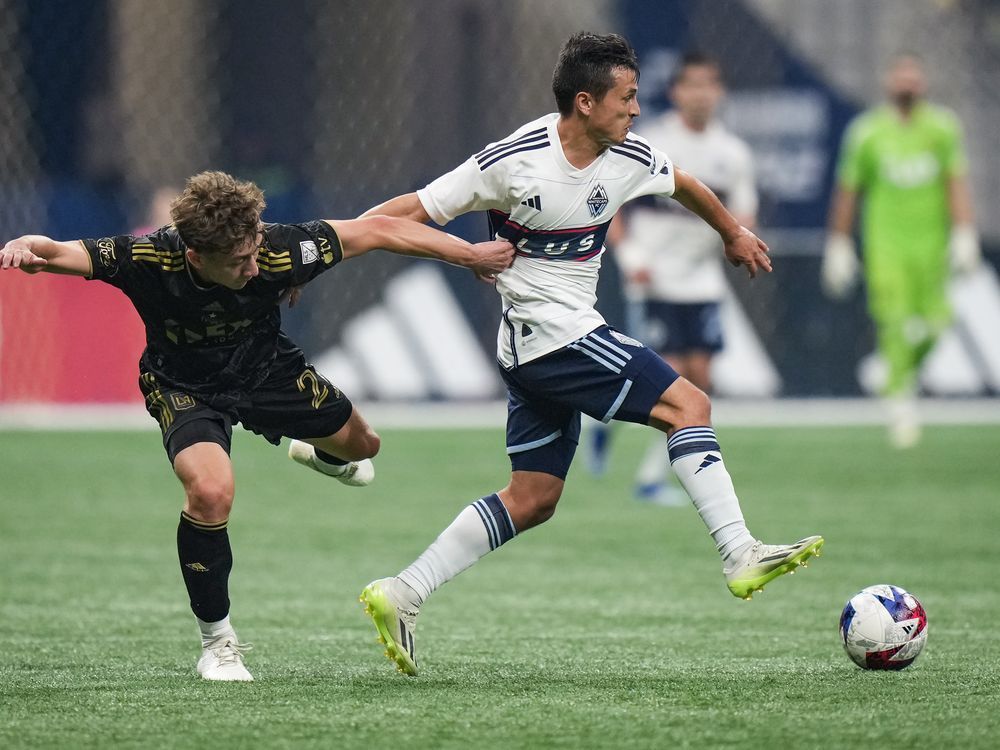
[{"x": 293, "y": 401}]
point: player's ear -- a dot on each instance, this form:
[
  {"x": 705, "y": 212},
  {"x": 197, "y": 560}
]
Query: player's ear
[
  {"x": 584, "y": 103},
  {"x": 195, "y": 258}
]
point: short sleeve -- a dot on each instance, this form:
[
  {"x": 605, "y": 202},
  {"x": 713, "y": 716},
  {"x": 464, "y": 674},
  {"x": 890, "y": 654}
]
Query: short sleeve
[
  {"x": 465, "y": 188},
  {"x": 658, "y": 179},
  {"x": 110, "y": 259},
  {"x": 304, "y": 251},
  {"x": 850, "y": 166},
  {"x": 955, "y": 161}
]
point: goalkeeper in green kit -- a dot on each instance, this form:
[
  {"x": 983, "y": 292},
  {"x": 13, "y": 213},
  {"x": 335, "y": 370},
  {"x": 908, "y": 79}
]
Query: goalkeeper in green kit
[{"x": 906, "y": 159}]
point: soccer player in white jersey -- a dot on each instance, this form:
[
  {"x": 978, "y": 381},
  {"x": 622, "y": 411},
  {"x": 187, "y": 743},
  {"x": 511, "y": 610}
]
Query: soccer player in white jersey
[
  {"x": 671, "y": 258},
  {"x": 551, "y": 188}
]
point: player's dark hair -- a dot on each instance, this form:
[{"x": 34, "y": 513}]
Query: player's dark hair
[
  {"x": 216, "y": 213},
  {"x": 587, "y": 62},
  {"x": 694, "y": 59}
]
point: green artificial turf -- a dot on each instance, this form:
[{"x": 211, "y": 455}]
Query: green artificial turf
[{"x": 610, "y": 626}]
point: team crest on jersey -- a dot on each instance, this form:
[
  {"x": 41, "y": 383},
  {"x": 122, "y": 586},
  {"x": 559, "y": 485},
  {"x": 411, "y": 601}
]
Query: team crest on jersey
[
  {"x": 309, "y": 252},
  {"x": 598, "y": 200},
  {"x": 628, "y": 340}
]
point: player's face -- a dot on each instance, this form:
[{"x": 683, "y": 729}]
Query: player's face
[
  {"x": 697, "y": 94},
  {"x": 905, "y": 82},
  {"x": 231, "y": 270},
  {"x": 612, "y": 115}
]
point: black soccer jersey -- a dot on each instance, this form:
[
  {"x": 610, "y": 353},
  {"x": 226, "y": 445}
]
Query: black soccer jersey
[{"x": 211, "y": 340}]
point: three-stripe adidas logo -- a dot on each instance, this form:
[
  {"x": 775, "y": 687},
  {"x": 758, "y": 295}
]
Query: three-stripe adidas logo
[
  {"x": 709, "y": 460},
  {"x": 407, "y": 638},
  {"x": 534, "y": 202}
]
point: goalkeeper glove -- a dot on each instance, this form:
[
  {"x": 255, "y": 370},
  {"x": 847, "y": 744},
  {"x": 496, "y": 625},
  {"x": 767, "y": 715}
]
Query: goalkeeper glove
[
  {"x": 839, "y": 271},
  {"x": 964, "y": 249}
]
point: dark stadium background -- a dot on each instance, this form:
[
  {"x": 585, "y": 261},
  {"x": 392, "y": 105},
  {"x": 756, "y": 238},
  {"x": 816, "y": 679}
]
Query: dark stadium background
[{"x": 333, "y": 107}]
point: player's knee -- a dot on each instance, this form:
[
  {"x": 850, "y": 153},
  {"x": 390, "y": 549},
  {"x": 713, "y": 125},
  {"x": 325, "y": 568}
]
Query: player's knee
[
  {"x": 362, "y": 445},
  {"x": 531, "y": 506},
  {"x": 544, "y": 510},
  {"x": 695, "y": 408},
  {"x": 372, "y": 444},
  {"x": 209, "y": 499}
]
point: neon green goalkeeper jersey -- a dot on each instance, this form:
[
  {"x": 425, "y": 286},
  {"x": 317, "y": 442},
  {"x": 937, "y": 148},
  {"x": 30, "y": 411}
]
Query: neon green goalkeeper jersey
[{"x": 903, "y": 169}]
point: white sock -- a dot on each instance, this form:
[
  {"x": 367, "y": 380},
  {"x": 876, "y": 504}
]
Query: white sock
[
  {"x": 655, "y": 466},
  {"x": 211, "y": 631},
  {"x": 324, "y": 467},
  {"x": 696, "y": 459},
  {"x": 478, "y": 529}
]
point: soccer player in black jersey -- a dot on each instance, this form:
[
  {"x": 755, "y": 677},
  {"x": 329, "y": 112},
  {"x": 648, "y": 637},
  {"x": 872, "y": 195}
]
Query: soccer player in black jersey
[{"x": 208, "y": 288}]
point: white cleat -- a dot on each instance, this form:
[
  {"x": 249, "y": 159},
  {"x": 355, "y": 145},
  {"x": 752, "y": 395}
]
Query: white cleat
[
  {"x": 762, "y": 563},
  {"x": 395, "y": 621},
  {"x": 222, "y": 660},
  {"x": 904, "y": 422},
  {"x": 353, "y": 474}
]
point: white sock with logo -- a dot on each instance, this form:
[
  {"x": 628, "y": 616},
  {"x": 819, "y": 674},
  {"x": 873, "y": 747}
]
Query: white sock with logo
[
  {"x": 696, "y": 459},
  {"x": 480, "y": 528}
]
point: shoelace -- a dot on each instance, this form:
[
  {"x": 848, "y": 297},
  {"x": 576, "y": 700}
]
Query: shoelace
[{"x": 230, "y": 652}]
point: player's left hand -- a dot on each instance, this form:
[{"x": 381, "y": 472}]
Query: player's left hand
[
  {"x": 747, "y": 249},
  {"x": 492, "y": 258},
  {"x": 964, "y": 249}
]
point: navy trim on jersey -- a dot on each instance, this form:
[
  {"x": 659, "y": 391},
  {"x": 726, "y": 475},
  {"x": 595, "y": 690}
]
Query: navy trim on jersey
[
  {"x": 574, "y": 244},
  {"x": 513, "y": 348},
  {"x": 632, "y": 155},
  {"x": 490, "y": 151},
  {"x": 631, "y": 139},
  {"x": 484, "y": 166}
]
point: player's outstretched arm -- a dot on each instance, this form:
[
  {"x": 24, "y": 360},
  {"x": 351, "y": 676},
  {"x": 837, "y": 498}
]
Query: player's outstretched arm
[
  {"x": 742, "y": 247},
  {"x": 33, "y": 253},
  {"x": 406, "y": 206},
  {"x": 405, "y": 237}
]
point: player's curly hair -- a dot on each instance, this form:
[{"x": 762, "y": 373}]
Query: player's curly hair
[
  {"x": 587, "y": 63},
  {"x": 216, "y": 213}
]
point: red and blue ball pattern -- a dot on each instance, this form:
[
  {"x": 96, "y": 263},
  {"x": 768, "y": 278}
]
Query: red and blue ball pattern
[{"x": 883, "y": 627}]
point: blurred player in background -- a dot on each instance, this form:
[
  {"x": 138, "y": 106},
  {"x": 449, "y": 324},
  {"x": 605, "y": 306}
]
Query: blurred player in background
[
  {"x": 671, "y": 258},
  {"x": 552, "y": 188},
  {"x": 208, "y": 288},
  {"x": 906, "y": 158}
]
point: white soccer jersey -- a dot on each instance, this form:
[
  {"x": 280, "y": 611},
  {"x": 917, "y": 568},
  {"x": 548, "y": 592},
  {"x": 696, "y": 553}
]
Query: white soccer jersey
[
  {"x": 681, "y": 252},
  {"x": 556, "y": 216}
]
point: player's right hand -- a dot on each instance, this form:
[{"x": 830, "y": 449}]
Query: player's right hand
[
  {"x": 17, "y": 254},
  {"x": 640, "y": 277},
  {"x": 493, "y": 257},
  {"x": 839, "y": 271}
]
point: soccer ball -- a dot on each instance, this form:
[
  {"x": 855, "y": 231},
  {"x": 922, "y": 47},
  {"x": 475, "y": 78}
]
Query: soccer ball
[{"x": 883, "y": 627}]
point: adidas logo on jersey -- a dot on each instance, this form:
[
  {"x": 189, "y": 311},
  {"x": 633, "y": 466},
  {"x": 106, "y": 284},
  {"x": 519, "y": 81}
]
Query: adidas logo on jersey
[{"x": 534, "y": 202}]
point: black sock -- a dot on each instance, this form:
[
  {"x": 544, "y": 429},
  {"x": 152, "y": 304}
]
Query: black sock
[
  {"x": 328, "y": 458},
  {"x": 206, "y": 559}
]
